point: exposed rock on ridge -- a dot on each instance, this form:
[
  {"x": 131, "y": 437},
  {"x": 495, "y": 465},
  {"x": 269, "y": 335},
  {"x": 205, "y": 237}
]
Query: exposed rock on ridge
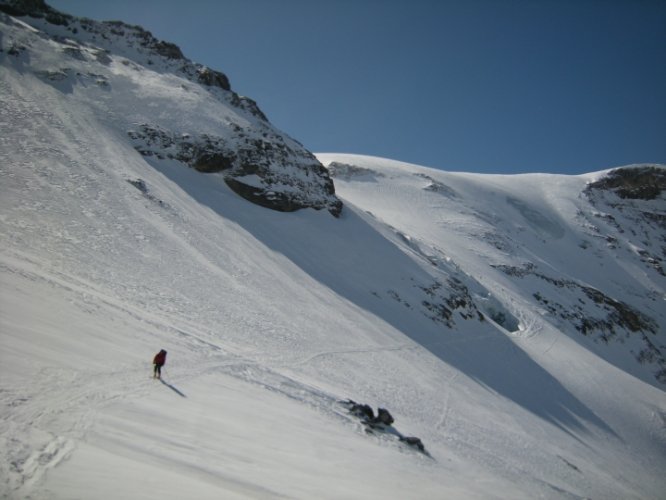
[
  {"x": 256, "y": 169},
  {"x": 258, "y": 162},
  {"x": 614, "y": 321},
  {"x": 628, "y": 216},
  {"x": 644, "y": 183}
]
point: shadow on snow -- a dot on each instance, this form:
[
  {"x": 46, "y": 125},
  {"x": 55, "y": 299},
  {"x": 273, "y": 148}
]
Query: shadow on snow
[
  {"x": 174, "y": 389},
  {"x": 353, "y": 259}
]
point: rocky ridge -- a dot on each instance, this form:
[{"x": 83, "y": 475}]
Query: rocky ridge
[
  {"x": 628, "y": 215},
  {"x": 589, "y": 258},
  {"x": 257, "y": 161}
]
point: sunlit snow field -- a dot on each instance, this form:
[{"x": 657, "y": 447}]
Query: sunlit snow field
[{"x": 271, "y": 319}]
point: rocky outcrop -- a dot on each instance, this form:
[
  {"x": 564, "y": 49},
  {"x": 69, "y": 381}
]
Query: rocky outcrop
[
  {"x": 267, "y": 171},
  {"x": 596, "y": 315},
  {"x": 258, "y": 162},
  {"x": 622, "y": 216},
  {"x": 640, "y": 183},
  {"x": 381, "y": 424},
  {"x": 629, "y": 203},
  {"x": 34, "y": 8},
  {"x": 442, "y": 301},
  {"x": 212, "y": 78}
]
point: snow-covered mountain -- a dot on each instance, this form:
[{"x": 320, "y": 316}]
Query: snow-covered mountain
[
  {"x": 170, "y": 107},
  {"x": 583, "y": 253},
  {"x": 515, "y": 324}
]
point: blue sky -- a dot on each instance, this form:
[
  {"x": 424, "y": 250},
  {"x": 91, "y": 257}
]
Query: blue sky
[{"x": 504, "y": 86}]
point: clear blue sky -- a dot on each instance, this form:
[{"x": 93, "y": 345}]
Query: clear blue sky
[{"x": 504, "y": 86}]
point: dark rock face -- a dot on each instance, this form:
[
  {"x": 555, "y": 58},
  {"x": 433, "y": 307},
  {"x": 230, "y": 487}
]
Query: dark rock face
[
  {"x": 213, "y": 78},
  {"x": 444, "y": 300},
  {"x": 34, "y": 8},
  {"x": 168, "y": 50},
  {"x": 631, "y": 203},
  {"x": 644, "y": 183},
  {"x": 211, "y": 162},
  {"x": 269, "y": 171},
  {"x": 614, "y": 315},
  {"x": 251, "y": 106},
  {"x": 381, "y": 424},
  {"x": 598, "y": 316},
  {"x": 361, "y": 411},
  {"x": 384, "y": 417},
  {"x": 108, "y": 32}
]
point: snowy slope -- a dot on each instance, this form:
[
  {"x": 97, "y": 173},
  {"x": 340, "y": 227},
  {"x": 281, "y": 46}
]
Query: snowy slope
[
  {"x": 550, "y": 248},
  {"x": 271, "y": 318},
  {"x": 169, "y": 106}
]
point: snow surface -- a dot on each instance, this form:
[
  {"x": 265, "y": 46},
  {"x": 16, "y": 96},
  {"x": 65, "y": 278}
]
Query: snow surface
[{"x": 270, "y": 319}]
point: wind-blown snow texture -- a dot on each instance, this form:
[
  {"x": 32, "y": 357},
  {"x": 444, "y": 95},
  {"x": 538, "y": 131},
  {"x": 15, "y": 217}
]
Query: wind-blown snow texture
[{"x": 513, "y": 323}]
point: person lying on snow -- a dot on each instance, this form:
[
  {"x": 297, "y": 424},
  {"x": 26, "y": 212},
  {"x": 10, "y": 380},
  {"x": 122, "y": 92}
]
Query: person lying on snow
[{"x": 159, "y": 361}]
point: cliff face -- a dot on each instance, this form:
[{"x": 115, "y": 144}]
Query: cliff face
[
  {"x": 645, "y": 182},
  {"x": 170, "y": 108}
]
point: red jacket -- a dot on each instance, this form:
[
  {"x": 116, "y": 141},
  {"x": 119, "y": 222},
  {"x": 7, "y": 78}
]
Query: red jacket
[{"x": 160, "y": 358}]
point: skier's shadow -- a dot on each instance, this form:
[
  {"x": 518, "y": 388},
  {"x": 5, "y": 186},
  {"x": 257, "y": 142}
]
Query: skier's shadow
[{"x": 173, "y": 388}]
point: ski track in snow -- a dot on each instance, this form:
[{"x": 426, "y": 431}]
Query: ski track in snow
[
  {"x": 67, "y": 401},
  {"x": 58, "y": 406},
  {"x": 76, "y": 398},
  {"x": 82, "y": 395}
]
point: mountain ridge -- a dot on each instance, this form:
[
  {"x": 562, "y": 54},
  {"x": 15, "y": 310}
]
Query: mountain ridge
[
  {"x": 609, "y": 319},
  {"x": 259, "y": 162},
  {"x": 451, "y": 299}
]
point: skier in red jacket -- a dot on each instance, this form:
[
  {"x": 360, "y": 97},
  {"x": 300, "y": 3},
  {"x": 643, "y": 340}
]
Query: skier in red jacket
[{"x": 159, "y": 361}]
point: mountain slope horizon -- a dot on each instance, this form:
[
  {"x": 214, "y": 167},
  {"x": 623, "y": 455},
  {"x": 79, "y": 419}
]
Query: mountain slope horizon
[
  {"x": 181, "y": 110},
  {"x": 586, "y": 238},
  {"x": 513, "y": 323}
]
